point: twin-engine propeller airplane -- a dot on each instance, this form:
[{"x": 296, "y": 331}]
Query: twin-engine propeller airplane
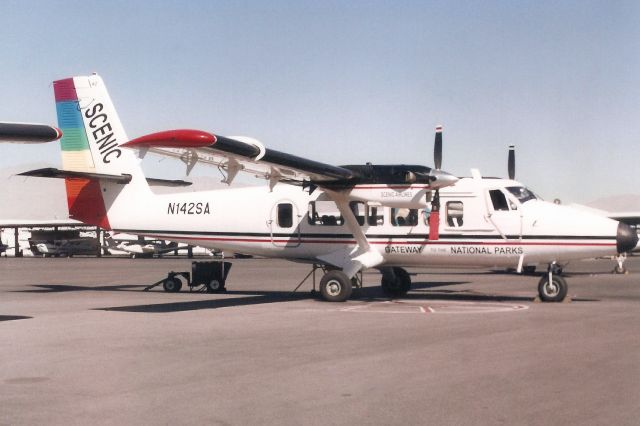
[{"x": 347, "y": 218}]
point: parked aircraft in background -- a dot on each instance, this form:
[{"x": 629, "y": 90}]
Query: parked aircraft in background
[
  {"x": 53, "y": 244},
  {"x": 139, "y": 246},
  {"x": 347, "y": 218},
  {"x": 32, "y": 232}
]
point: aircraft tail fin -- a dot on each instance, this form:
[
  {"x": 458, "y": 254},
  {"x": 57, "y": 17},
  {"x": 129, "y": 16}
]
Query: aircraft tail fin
[{"x": 92, "y": 135}]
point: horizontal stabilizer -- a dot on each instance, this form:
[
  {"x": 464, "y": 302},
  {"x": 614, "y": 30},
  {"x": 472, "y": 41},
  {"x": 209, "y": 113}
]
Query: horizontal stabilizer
[{"x": 51, "y": 172}]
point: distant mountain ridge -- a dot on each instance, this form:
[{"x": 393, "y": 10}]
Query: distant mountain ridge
[{"x": 617, "y": 203}]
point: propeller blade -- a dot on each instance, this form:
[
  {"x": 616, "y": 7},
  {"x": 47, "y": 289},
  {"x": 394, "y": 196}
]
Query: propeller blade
[
  {"x": 442, "y": 179},
  {"x": 437, "y": 148},
  {"x": 512, "y": 162}
]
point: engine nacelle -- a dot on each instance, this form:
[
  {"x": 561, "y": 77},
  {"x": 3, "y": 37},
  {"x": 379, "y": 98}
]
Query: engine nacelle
[{"x": 398, "y": 196}]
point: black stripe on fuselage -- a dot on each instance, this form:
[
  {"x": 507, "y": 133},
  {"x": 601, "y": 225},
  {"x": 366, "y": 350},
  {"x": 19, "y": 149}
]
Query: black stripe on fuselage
[{"x": 350, "y": 236}]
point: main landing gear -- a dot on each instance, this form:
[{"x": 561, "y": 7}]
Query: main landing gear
[
  {"x": 552, "y": 287},
  {"x": 335, "y": 286}
]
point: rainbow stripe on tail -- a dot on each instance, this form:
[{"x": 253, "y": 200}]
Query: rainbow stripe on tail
[
  {"x": 76, "y": 154},
  {"x": 84, "y": 197}
]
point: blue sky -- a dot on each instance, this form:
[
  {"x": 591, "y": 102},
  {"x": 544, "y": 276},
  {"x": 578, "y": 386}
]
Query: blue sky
[{"x": 351, "y": 82}]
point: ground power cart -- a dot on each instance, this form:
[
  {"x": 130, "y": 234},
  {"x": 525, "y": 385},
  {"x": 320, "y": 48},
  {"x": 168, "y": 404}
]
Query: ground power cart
[{"x": 204, "y": 276}]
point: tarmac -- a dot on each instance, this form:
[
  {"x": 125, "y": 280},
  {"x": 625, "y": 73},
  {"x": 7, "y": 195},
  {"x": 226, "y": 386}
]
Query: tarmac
[{"x": 81, "y": 343}]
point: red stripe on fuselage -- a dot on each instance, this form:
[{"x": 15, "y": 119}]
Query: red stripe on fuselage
[{"x": 387, "y": 243}]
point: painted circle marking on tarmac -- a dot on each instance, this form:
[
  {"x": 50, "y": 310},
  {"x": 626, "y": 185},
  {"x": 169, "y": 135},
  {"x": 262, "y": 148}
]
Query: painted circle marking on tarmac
[{"x": 434, "y": 307}]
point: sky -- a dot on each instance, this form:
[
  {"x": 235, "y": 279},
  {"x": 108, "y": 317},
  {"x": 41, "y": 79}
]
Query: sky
[{"x": 351, "y": 82}]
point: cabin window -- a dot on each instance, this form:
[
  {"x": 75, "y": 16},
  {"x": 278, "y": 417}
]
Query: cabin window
[
  {"x": 455, "y": 213},
  {"x": 498, "y": 200},
  {"x": 375, "y": 219},
  {"x": 404, "y": 217},
  {"x": 285, "y": 215},
  {"x": 324, "y": 213},
  {"x": 522, "y": 194},
  {"x": 359, "y": 211}
]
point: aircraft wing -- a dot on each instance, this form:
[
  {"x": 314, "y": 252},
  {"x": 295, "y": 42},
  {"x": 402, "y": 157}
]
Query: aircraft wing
[
  {"x": 630, "y": 218},
  {"x": 234, "y": 154},
  {"x": 28, "y": 133}
]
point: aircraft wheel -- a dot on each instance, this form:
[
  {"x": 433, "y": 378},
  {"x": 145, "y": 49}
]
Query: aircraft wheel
[
  {"x": 215, "y": 286},
  {"x": 172, "y": 285},
  {"x": 619, "y": 270},
  {"x": 554, "y": 291},
  {"x": 398, "y": 286},
  {"x": 335, "y": 286}
]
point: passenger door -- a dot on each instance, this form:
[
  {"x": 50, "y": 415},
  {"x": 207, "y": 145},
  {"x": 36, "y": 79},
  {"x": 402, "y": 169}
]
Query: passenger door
[
  {"x": 504, "y": 214},
  {"x": 284, "y": 224}
]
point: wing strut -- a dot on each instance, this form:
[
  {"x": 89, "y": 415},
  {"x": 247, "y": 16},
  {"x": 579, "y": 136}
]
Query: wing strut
[{"x": 363, "y": 256}]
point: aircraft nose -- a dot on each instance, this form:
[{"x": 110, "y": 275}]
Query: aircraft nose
[{"x": 626, "y": 238}]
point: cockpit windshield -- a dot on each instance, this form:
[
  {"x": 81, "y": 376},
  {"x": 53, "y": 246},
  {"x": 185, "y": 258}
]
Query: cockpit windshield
[{"x": 522, "y": 194}]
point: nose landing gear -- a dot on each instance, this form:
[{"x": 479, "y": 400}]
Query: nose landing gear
[{"x": 620, "y": 268}]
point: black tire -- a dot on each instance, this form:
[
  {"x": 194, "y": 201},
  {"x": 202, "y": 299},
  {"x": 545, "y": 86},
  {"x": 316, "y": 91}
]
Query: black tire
[
  {"x": 215, "y": 286},
  {"x": 619, "y": 270},
  {"x": 335, "y": 286},
  {"x": 398, "y": 286},
  {"x": 172, "y": 285},
  {"x": 555, "y": 291}
]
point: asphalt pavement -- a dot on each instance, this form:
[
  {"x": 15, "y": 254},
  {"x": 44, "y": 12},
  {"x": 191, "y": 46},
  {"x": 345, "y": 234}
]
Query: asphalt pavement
[{"x": 81, "y": 343}]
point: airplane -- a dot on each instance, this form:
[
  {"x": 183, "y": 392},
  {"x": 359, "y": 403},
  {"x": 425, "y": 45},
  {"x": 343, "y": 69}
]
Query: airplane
[
  {"x": 26, "y": 234},
  {"x": 138, "y": 246},
  {"x": 345, "y": 218},
  {"x": 65, "y": 248}
]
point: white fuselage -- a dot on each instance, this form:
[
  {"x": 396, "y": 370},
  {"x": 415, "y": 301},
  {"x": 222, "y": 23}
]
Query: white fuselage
[{"x": 478, "y": 227}]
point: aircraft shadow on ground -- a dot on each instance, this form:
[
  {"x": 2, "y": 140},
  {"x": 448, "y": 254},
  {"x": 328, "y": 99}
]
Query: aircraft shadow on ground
[
  {"x": 12, "y": 317},
  {"x": 59, "y": 288},
  {"x": 255, "y": 298},
  {"x": 420, "y": 291}
]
